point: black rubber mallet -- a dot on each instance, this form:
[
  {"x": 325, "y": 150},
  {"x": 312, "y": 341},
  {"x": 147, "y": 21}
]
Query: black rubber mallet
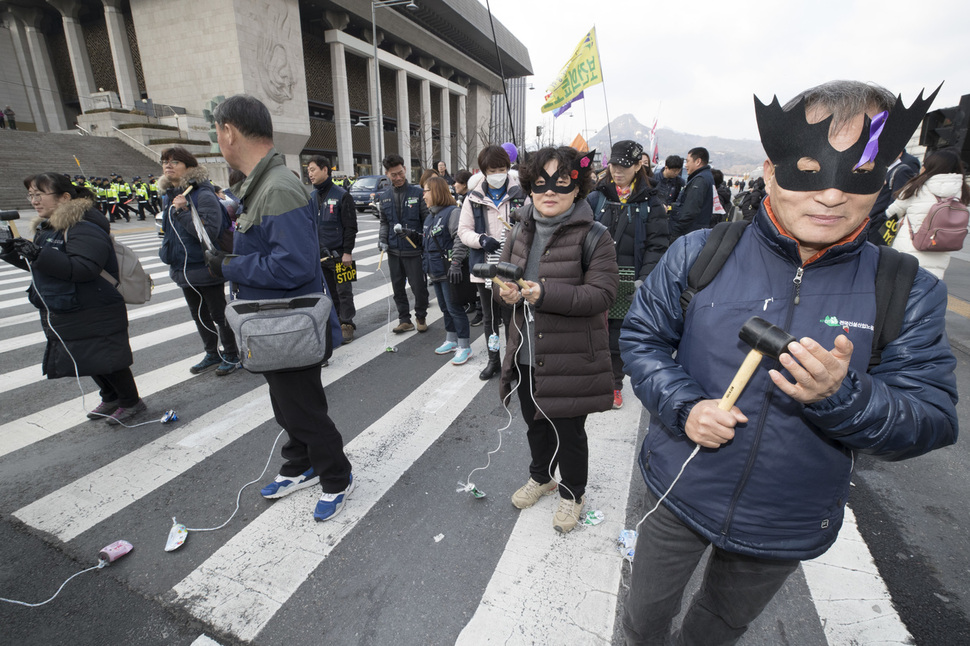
[
  {"x": 488, "y": 270},
  {"x": 765, "y": 339}
]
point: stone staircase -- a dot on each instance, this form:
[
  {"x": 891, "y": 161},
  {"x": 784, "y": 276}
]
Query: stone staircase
[{"x": 26, "y": 153}]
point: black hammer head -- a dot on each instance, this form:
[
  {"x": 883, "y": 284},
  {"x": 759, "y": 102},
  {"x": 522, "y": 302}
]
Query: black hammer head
[
  {"x": 9, "y": 215},
  {"x": 508, "y": 270},
  {"x": 770, "y": 340},
  {"x": 484, "y": 270}
]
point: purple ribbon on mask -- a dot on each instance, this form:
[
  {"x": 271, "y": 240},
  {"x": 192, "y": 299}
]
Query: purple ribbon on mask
[{"x": 872, "y": 147}]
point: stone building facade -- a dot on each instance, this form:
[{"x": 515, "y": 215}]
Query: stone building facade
[{"x": 310, "y": 61}]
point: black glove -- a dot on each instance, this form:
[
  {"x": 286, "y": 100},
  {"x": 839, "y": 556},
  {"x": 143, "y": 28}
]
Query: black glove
[
  {"x": 454, "y": 273},
  {"x": 214, "y": 260},
  {"x": 27, "y": 249},
  {"x": 488, "y": 243},
  {"x": 6, "y": 246}
]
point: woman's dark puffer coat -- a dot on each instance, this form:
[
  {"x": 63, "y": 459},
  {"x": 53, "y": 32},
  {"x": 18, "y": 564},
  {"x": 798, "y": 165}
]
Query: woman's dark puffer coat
[
  {"x": 87, "y": 312},
  {"x": 573, "y": 371}
]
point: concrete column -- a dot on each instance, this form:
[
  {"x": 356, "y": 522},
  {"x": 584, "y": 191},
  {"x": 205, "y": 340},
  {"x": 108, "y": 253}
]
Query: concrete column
[
  {"x": 341, "y": 109},
  {"x": 376, "y": 124},
  {"x": 50, "y": 97},
  {"x": 427, "y": 142},
  {"x": 26, "y": 67},
  {"x": 77, "y": 50},
  {"x": 121, "y": 54},
  {"x": 463, "y": 161},
  {"x": 445, "y": 129},
  {"x": 403, "y": 118}
]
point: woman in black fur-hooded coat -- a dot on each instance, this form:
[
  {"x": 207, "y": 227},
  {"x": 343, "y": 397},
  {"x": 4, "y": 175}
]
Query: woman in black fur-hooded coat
[{"x": 83, "y": 315}]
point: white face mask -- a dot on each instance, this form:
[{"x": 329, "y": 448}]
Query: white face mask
[{"x": 496, "y": 180}]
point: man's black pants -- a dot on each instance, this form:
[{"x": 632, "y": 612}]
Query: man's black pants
[
  {"x": 408, "y": 268},
  {"x": 300, "y": 406}
]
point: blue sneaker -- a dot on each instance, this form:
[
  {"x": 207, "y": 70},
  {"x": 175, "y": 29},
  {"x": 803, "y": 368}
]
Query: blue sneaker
[
  {"x": 330, "y": 504},
  {"x": 285, "y": 485},
  {"x": 461, "y": 356},
  {"x": 446, "y": 348}
]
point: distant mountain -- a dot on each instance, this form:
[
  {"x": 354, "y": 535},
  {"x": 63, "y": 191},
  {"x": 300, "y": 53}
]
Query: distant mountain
[{"x": 733, "y": 156}]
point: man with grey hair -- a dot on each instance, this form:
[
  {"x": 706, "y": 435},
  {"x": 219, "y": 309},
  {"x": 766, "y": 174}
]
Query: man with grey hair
[
  {"x": 275, "y": 255},
  {"x": 765, "y": 482}
]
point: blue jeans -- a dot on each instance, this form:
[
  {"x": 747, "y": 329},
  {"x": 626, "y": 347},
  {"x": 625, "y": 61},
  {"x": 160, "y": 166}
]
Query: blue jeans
[
  {"x": 734, "y": 591},
  {"x": 455, "y": 318}
]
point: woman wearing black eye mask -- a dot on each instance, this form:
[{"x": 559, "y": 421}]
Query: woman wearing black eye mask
[{"x": 558, "y": 345}]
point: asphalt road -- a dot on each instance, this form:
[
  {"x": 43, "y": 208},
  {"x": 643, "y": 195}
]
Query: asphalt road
[{"x": 410, "y": 560}]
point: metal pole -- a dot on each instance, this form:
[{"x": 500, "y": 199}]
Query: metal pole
[{"x": 379, "y": 117}]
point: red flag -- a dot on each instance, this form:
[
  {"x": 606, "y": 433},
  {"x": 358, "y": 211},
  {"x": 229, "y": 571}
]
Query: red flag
[{"x": 656, "y": 154}]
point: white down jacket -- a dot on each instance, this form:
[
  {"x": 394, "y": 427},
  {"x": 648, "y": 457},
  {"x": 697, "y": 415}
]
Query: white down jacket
[{"x": 914, "y": 209}]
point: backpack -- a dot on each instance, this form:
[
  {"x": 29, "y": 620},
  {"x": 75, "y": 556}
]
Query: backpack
[
  {"x": 895, "y": 274},
  {"x": 943, "y": 228},
  {"x": 133, "y": 283}
]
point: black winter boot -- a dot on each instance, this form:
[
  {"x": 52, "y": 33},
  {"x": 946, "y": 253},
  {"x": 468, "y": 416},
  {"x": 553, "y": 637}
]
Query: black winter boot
[{"x": 492, "y": 368}]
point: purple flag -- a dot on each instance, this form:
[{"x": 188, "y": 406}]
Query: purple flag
[{"x": 562, "y": 110}]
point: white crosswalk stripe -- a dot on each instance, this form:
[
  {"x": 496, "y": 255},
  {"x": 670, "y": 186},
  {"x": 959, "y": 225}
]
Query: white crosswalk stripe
[{"x": 405, "y": 409}]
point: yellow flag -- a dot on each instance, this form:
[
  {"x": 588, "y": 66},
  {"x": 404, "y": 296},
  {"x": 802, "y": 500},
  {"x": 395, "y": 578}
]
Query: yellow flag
[{"x": 582, "y": 71}]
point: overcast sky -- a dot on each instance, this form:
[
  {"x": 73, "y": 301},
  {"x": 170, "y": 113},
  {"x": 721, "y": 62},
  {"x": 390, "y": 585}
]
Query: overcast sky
[{"x": 700, "y": 62}]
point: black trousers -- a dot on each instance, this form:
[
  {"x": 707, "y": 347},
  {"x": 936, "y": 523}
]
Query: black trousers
[
  {"x": 341, "y": 294},
  {"x": 118, "y": 386},
  {"x": 211, "y": 316},
  {"x": 408, "y": 268},
  {"x": 300, "y": 406},
  {"x": 572, "y": 456},
  {"x": 493, "y": 312},
  {"x": 615, "y": 325}
]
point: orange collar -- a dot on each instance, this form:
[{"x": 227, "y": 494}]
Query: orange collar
[{"x": 849, "y": 238}]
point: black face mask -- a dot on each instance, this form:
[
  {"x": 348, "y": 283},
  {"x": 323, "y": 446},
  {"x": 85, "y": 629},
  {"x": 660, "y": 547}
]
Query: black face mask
[
  {"x": 788, "y": 137},
  {"x": 550, "y": 184}
]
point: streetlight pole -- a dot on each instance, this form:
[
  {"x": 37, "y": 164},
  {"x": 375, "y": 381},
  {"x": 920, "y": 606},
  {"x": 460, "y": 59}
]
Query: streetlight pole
[{"x": 379, "y": 117}]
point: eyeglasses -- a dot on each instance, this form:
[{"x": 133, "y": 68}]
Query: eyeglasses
[
  {"x": 35, "y": 197},
  {"x": 170, "y": 162}
]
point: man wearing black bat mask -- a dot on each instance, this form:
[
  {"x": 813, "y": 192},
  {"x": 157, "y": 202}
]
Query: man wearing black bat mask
[{"x": 765, "y": 483}]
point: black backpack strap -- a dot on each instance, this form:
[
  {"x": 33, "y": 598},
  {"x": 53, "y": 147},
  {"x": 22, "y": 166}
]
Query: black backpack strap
[
  {"x": 719, "y": 246},
  {"x": 592, "y": 238},
  {"x": 895, "y": 274}
]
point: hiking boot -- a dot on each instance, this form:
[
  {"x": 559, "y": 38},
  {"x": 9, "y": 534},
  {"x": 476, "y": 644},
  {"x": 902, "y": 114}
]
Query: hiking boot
[
  {"x": 228, "y": 365},
  {"x": 461, "y": 356},
  {"x": 477, "y": 319},
  {"x": 104, "y": 409},
  {"x": 422, "y": 325},
  {"x": 567, "y": 516},
  {"x": 330, "y": 504},
  {"x": 209, "y": 360},
  {"x": 529, "y": 495},
  {"x": 617, "y": 399},
  {"x": 348, "y": 331},
  {"x": 125, "y": 415},
  {"x": 285, "y": 485},
  {"x": 446, "y": 348},
  {"x": 402, "y": 327}
]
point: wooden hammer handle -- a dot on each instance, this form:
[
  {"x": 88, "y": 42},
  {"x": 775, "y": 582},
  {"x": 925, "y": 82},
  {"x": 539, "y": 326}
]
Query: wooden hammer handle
[
  {"x": 498, "y": 281},
  {"x": 740, "y": 380}
]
